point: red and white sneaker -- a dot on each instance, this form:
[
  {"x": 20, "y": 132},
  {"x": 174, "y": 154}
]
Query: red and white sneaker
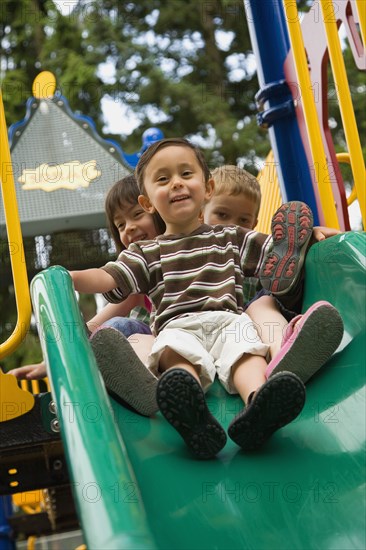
[{"x": 292, "y": 227}]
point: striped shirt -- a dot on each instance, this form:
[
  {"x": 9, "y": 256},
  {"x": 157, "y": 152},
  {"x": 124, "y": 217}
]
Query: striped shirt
[
  {"x": 251, "y": 286},
  {"x": 140, "y": 314},
  {"x": 182, "y": 274}
]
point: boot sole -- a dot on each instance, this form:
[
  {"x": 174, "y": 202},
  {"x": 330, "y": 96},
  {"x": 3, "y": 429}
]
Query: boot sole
[
  {"x": 292, "y": 227},
  {"x": 126, "y": 378},
  {"x": 182, "y": 402},
  {"x": 278, "y": 402}
]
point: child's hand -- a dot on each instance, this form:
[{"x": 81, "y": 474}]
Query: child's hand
[
  {"x": 30, "y": 372},
  {"x": 322, "y": 233}
]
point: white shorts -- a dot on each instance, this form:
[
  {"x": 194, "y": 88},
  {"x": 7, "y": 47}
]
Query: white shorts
[{"x": 213, "y": 341}]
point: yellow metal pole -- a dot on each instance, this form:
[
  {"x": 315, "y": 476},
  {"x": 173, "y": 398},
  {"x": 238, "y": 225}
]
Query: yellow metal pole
[
  {"x": 311, "y": 117},
  {"x": 21, "y": 286},
  {"x": 345, "y": 159},
  {"x": 361, "y": 10},
  {"x": 345, "y": 105},
  {"x": 271, "y": 194}
]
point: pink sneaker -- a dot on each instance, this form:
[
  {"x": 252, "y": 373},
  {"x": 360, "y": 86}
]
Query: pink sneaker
[{"x": 309, "y": 341}]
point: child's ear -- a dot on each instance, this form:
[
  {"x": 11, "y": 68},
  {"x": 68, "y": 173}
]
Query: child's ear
[
  {"x": 145, "y": 203},
  {"x": 210, "y": 187}
]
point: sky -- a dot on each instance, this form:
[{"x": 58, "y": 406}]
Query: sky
[{"x": 119, "y": 118}]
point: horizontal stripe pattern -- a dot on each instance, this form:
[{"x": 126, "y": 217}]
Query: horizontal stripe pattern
[{"x": 203, "y": 271}]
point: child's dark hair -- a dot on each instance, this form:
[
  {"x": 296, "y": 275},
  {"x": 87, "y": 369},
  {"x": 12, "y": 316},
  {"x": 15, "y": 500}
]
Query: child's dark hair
[
  {"x": 157, "y": 146},
  {"x": 125, "y": 191}
]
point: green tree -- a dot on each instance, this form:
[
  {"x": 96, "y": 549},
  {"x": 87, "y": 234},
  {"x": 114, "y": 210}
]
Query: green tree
[
  {"x": 35, "y": 36},
  {"x": 190, "y": 76},
  {"x": 185, "y": 66}
]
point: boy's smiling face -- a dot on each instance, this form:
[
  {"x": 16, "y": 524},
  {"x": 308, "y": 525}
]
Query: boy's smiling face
[
  {"x": 175, "y": 187},
  {"x": 225, "y": 209}
]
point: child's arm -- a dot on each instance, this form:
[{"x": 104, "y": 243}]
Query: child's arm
[
  {"x": 92, "y": 281},
  {"x": 37, "y": 371}
]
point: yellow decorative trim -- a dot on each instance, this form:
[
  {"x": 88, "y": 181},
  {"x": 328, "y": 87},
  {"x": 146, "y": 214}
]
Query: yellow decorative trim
[
  {"x": 44, "y": 85},
  {"x": 29, "y": 501},
  {"x": 14, "y": 401},
  {"x": 69, "y": 175}
]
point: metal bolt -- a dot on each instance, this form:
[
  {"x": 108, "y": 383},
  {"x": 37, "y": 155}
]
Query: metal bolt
[
  {"x": 57, "y": 464},
  {"x": 52, "y": 407},
  {"x": 55, "y": 425}
]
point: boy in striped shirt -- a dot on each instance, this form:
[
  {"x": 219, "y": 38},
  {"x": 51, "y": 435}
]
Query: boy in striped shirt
[{"x": 193, "y": 274}]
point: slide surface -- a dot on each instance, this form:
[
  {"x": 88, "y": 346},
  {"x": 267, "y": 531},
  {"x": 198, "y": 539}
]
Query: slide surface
[{"x": 304, "y": 489}]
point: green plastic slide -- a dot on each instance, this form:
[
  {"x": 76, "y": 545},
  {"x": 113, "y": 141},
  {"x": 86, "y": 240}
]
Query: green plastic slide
[{"x": 136, "y": 485}]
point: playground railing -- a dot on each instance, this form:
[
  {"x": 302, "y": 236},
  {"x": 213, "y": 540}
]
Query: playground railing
[
  {"x": 310, "y": 114},
  {"x": 331, "y": 21},
  {"x": 15, "y": 239},
  {"x": 345, "y": 104}
]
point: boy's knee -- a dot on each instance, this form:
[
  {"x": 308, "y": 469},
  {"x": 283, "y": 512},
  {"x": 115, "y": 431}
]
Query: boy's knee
[{"x": 169, "y": 358}]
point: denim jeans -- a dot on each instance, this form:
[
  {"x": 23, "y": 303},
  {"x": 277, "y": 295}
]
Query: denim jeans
[{"x": 128, "y": 326}]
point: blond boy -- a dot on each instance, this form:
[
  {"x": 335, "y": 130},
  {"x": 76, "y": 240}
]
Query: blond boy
[{"x": 236, "y": 200}]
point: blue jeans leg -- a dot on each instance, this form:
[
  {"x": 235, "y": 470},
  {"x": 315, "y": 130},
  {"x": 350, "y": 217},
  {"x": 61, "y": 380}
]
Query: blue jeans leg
[{"x": 128, "y": 326}]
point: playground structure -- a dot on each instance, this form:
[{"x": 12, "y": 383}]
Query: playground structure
[{"x": 134, "y": 486}]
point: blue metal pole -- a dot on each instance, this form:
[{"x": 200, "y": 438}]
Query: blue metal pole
[
  {"x": 6, "y": 542},
  {"x": 270, "y": 43}
]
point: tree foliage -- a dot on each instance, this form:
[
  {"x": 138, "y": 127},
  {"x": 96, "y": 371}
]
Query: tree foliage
[
  {"x": 185, "y": 66},
  {"x": 179, "y": 65}
]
